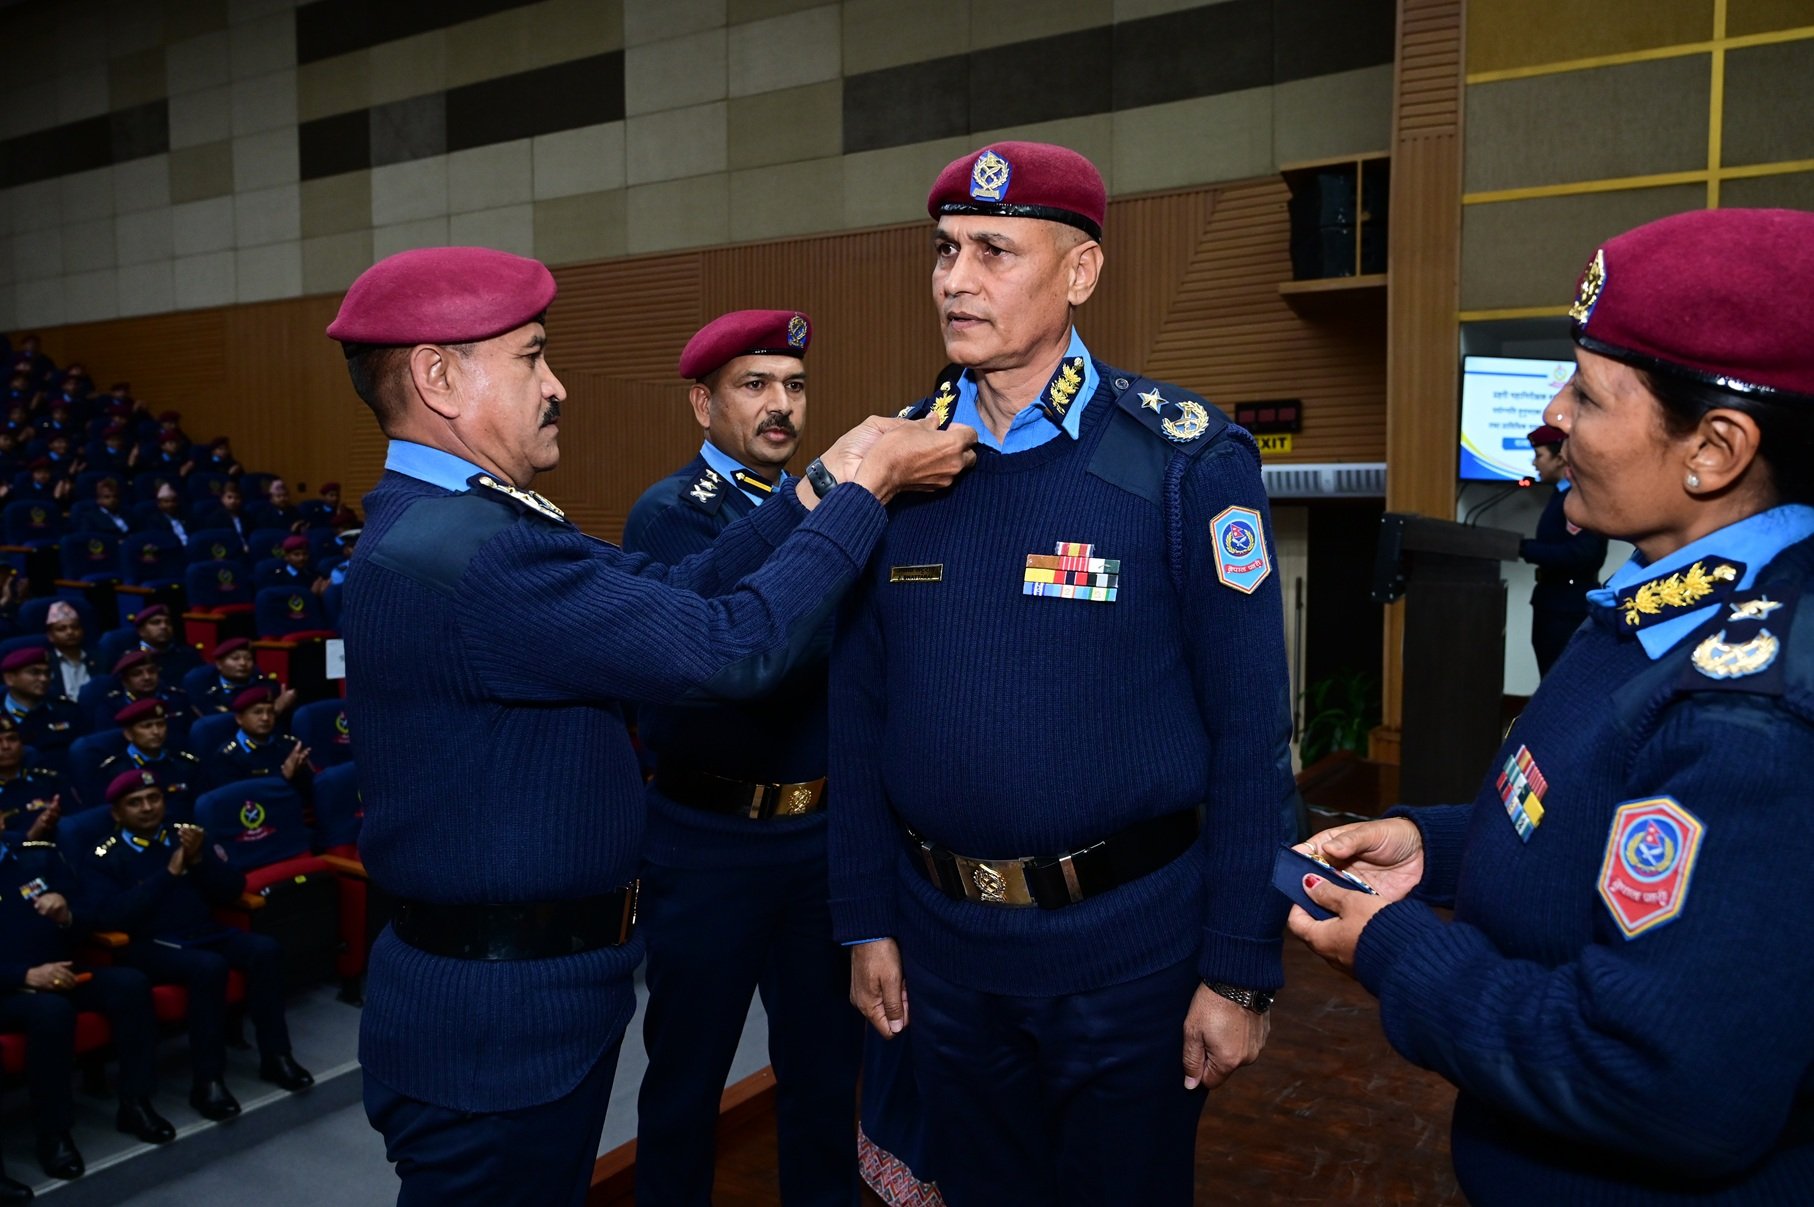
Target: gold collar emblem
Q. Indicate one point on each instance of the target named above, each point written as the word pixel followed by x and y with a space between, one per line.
pixel 1718 660
pixel 1065 385
pixel 943 401
pixel 1592 282
pixel 1683 589
pixel 527 498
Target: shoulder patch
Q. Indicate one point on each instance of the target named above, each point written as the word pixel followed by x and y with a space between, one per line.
pixel 1741 648
pixel 1183 420
pixel 1649 861
pixel 1242 561
pixel 706 491
pixel 435 537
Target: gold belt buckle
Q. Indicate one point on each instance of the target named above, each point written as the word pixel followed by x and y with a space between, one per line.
pixel 994 881
pixel 797 800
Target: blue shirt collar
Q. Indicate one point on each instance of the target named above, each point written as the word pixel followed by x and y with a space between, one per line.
pixel 1754 540
pixel 1032 425
pixel 247 740
pixel 141 758
pixel 430 465
pixel 729 467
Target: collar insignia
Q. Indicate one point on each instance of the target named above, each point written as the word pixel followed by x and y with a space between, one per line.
pixel 751 482
pixel 989 177
pixel 527 498
pixel 1061 391
pixel 1717 659
pixel 1665 598
pixel 943 401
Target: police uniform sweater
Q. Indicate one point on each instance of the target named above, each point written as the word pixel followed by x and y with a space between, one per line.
pixel 1673 1066
pixel 1000 724
pixel 132 888
pixel 28 938
pixel 489 649
pixel 779 739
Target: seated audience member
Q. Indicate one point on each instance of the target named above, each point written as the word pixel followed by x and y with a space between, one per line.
pixel 157 636
pixel 328 511
pixel 11 464
pixel 105 516
pixel 218 458
pixel 276 511
pixel 58 422
pixel 47 725
pixel 258 750
pixel 160 884
pixel 72 666
pixel 335 566
pixel 145 724
pixel 42 987
pixel 136 677
pixel 294 571
pixel 65 463
pixel 167 454
pixel 169 517
pixel 114 453
pixel 27 794
pixel 18 394
pixel 235 669
pixel 230 514
pixel 42 486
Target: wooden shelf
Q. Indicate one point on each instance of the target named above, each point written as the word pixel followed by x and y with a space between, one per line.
pixel 1371 280
pixel 1337 297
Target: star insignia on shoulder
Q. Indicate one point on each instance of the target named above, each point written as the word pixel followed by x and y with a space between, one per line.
pixel 1753 609
pixel 1152 400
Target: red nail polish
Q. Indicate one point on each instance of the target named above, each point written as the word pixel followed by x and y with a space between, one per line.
pixel 1311 882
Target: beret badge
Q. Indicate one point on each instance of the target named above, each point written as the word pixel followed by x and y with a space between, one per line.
pixel 989 177
pixel 796 331
pixel 1592 282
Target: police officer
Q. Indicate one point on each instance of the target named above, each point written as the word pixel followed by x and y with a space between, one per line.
pixel 160 883
pixel 146 727
pixel 734 868
pixel 47 725
pixel 1621 995
pixel 293 570
pixel 71 664
pixel 490 648
pixel 1566 555
pixel 157 635
pixel 136 677
pixel 42 988
pixel 26 793
pixel 1063 681
pixel 234 670
pixel 258 750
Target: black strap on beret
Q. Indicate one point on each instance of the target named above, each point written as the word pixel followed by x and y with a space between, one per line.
pixel 1655 364
pixel 1050 213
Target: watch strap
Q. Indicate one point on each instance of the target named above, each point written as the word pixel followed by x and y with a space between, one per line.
pixel 820 478
pixel 1259 1001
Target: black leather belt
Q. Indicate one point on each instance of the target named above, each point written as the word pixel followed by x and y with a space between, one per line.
pixel 741 798
pixel 530 930
pixel 1055 881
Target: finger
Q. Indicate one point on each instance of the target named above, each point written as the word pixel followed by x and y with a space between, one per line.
pixel 1331 898
pixel 1300 923
pixel 894 1007
pixel 1194 1058
pixel 872 1010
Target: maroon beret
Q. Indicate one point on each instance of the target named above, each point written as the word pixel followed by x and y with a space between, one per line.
pixel 170 438
pixel 328 486
pixel 252 695
pixel 130 659
pixel 128 782
pixel 150 613
pixel 169 417
pixel 18 660
pixel 442 295
pixel 1724 297
pixel 1023 180
pixel 140 710
pixel 295 542
pixel 1545 435
pixel 40 463
pixel 230 645
pixel 116 428
pixel 745 333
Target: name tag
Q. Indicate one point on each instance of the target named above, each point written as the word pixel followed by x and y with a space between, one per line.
pixel 917 574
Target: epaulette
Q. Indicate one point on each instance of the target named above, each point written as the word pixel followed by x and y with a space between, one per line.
pixel 1185 421
pixel 113 840
pixel 46 772
pixel 940 402
pixel 1744 647
pixel 1152 424
pixel 184 754
pixel 525 500
pixel 38 842
pixel 706 492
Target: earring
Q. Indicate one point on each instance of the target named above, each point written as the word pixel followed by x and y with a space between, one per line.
pixel 1694 481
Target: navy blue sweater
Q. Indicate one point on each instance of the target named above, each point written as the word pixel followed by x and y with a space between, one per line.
pixel 778 740
pixel 489 650
pixel 1000 724
pixel 27 938
pixel 1676 1065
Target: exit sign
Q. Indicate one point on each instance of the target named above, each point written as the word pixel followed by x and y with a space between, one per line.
pixel 1274 442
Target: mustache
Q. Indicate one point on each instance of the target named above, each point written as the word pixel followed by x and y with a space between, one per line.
pixel 552 413
pixel 777 423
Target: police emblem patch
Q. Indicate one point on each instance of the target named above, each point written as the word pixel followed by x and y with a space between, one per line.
pixel 251 815
pixel 989 177
pixel 1241 558
pixel 1650 855
pixel 1521 788
pixel 796 331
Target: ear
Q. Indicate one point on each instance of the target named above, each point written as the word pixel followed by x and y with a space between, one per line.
pixel 1725 446
pixel 1086 270
pixel 430 374
pixel 700 396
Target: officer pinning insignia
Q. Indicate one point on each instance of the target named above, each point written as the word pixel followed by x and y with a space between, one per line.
pixel 1650 854
pixel 1072 571
pixel 1241 558
pixel 528 498
pixel 1666 597
pixel 990 176
pixel 1521 787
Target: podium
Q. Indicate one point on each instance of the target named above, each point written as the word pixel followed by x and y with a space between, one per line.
pixel 1454 649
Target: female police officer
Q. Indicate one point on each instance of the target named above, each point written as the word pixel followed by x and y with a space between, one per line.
pixel 1621 998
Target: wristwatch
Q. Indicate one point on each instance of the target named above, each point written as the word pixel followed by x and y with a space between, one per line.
pixel 819 478
pixel 1257 1000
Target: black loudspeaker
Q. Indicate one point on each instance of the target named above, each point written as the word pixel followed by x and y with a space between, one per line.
pixel 1322 251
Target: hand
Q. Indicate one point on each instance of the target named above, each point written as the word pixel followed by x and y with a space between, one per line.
pixel 294 762
pixel 1334 938
pixel 1387 854
pixel 1220 1037
pixel 46 821
pixel 319 585
pixel 843 457
pixel 877 987
pixel 53 977
pixel 54 906
pixel 916 456
pixel 285 698
pixel 179 862
pixel 192 838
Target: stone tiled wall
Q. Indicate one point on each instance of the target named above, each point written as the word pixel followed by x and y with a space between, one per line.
pixel 160 155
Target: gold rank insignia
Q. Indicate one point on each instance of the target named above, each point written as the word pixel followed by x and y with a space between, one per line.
pixel 1192 421
pixel 943 401
pixel 1661 598
pixel 989 177
pixel 527 498
pixel 1717 659
pixel 1752 609
pixel 1064 386
pixel 1592 282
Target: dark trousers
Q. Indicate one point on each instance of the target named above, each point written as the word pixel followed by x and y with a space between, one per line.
pixel 202 970
pixel 1550 631
pixel 49 1022
pixel 714 937
pixel 541 1156
pixel 1057 1100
